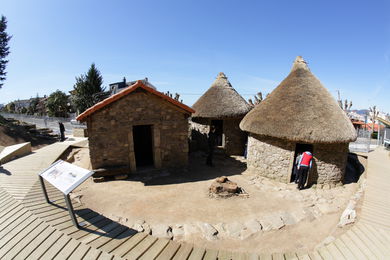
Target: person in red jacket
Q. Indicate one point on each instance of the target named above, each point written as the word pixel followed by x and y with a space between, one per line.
pixel 304 164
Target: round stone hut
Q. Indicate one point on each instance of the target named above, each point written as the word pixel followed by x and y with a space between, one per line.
pixel 299 115
pixel 224 108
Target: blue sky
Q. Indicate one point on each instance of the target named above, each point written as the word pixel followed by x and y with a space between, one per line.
pixel 182 45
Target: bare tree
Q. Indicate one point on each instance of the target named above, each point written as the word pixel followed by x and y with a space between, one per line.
pixel 258 98
pixel 373 115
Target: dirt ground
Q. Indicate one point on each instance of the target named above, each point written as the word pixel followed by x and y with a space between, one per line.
pixel 11 134
pixel 182 201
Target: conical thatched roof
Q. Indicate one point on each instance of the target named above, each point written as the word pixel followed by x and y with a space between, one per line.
pixel 221 100
pixel 300 109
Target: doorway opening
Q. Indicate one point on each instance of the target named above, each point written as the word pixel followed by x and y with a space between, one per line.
pixel 218 131
pixel 143 145
pixel 299 149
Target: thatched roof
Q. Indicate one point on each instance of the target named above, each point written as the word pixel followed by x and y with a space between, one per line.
pixel 221 100
pixel 300 109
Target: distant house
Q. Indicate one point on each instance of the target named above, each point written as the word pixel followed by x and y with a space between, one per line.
pixel 119 86
pixel 384 134
pixel 224 108
pixel 299 115
pixel 138 127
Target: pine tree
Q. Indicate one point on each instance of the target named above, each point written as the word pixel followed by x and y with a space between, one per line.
pixel 86 87
pixel 4 48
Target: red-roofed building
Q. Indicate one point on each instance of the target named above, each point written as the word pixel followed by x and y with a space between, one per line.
pixel 137 127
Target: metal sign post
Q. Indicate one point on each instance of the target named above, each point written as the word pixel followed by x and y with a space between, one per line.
pixel 65 177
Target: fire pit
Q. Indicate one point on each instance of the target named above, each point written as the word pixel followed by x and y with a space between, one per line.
pixel 224 188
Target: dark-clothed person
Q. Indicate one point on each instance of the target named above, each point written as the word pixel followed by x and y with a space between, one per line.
pixel 304 164
pixel 212 139
pixel 62 131
pixel 296 167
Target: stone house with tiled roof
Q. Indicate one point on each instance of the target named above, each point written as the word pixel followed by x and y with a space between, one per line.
pixel 136 128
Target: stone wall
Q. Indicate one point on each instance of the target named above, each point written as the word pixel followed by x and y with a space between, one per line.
pixel 111 138
pixel 234 137
pixel 329 164
pixel 270 157
pixel 199 132
pixel 273 158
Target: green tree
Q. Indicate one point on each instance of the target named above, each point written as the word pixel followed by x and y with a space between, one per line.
pixel 57 104
pixel 10 107
pixel 86 87
pixel 33 107
pixel 4 48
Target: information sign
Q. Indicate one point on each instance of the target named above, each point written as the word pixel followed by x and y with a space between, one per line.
pixel 65 176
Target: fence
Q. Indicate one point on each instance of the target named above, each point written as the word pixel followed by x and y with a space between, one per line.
pixel 46 122
pixel 363 143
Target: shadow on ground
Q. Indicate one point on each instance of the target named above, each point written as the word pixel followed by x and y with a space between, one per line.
pixel 354 168
pixel 197 170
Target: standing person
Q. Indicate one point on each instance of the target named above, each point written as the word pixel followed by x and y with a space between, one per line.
pixel 296 167
pixel 211 143
pixel 304 164
pixel 62 131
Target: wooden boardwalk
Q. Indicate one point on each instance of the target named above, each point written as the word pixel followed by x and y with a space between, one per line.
pixel 32 229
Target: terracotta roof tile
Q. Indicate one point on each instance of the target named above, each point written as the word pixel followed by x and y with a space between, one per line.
pixel 127 91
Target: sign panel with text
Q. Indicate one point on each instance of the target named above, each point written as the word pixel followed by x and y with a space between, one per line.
pixel 65 176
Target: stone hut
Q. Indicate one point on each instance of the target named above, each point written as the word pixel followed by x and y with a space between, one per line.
pixel 224 108
pixel 299 115
pixel 135 128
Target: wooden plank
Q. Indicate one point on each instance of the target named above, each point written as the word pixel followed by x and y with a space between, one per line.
pixel 112 244
pixel 42 248
pixel 277 256
pixel 140 249
pixel 183 252
pixel 30 246
pixel 240 256
pixel 67 250
pixel 375 237
pixel 361 245
pixel 315 256
pixel 334 251
pixel 80 251
pixel 11 226
pixel 224 255
pixel 14 236
pixel 129 244
pixel 211 254
pixel 290 255
pixel 110 236
pixel 366 240
pixel 92 254
pixel 56 247
pixel 18 244
pixel 324 253
pixel 155 249
pixel 303 256
pixel 98 233
pixel 353 247
pixel 344 249
pixel 264 256
pixel 80 233
pixel 105 256
pixel 197 253
pixel 169 251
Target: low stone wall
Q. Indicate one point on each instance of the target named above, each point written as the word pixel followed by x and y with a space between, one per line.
pixel 270 157
pixel 111 132
pixel 329 164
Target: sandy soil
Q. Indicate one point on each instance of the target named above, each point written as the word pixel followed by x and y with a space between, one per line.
pixel 183 199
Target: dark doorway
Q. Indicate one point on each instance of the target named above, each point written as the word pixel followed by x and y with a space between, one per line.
pixel 143 145
pixel 218 131
pixel 299 149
